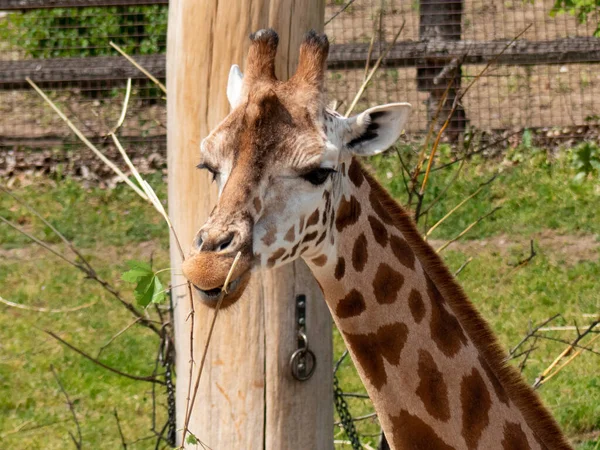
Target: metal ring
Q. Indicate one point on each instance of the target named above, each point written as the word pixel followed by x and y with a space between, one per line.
pixel 294 364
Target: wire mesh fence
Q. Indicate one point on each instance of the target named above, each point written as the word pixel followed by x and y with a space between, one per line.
pixel 546 80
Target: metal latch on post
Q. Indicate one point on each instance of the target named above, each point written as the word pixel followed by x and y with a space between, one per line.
pixel 302 360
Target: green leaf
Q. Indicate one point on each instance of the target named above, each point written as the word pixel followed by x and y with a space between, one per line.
pixel 191 439
pixel 149 288
pixel 138 269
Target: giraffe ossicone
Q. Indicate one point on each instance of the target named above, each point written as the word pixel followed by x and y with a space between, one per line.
pixel 290 187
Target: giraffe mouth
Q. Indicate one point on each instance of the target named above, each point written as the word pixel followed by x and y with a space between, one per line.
pixel 235 289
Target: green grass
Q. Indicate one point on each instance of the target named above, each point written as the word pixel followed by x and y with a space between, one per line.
pixel 113 226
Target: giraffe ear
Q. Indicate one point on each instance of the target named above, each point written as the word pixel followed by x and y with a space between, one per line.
pixel 234 86
pixel 376 129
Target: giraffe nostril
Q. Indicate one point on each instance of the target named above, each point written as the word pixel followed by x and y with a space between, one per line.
pixel 225 242
pixel 198 243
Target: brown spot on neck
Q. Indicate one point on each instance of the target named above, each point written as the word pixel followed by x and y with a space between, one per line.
pixel 320 260
pixel 416 305
pixel 275 256
pixel 340 268
pixel 411 433
pixel 360 254
pixel 476 404
pixel 432 389
pixel 310 236
pixel 403 252
pixel 269 237
pixel 290 235
pixel 387 284
pixel 370 350
pixel 446 331
pixel 379 231
pixel 347 213
pixel 514 437
pixel 355 173
pixel 352 305
pixel 313 219
pixel 257 205
pixel 379 209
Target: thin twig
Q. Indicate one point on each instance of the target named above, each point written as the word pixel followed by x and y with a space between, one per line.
pixel 111 340
pixel 369 54
pixel 436 143
pixel 360 418
pixel 373 71
pixel 207 343
pixel 149 192
pixel 123 442
pixel 32 210
pixel 340 361
pixel 46 310
pixel 91 274
pixel 466 230
pixel 465 264
pixel 101 364
pixel 124 109
pixel 432 123
pixel 91 146
pixel 77 441
pixel 444 190
pixel 339 12
pixel 457 101
pixel 139 67
pixel 453 210
pixel 544 379
pixel 530 333
pixel 40 243
pixel 550 371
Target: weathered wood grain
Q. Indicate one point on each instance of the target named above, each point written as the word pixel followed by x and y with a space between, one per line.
pixel 247 398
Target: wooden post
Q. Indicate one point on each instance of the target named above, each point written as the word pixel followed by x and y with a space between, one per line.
pixel 439 21
pixel 247 397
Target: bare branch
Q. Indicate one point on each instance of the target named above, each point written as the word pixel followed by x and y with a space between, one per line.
pixel 466 230
pixel 101 364
pixel 77 441
pixel 46 310
pixel 206 344
pixel 362 88
pixel 139 67
pixel 111 340
pixel 123 442
pixel 462 267
pixel 339 12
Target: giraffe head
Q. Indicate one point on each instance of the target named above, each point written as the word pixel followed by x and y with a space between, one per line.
pixel 279 162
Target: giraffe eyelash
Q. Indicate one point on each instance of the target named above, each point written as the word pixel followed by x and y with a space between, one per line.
pixel 214 172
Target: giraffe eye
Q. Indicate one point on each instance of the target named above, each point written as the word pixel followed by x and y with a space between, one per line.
pixel 318 176
pixel 214 172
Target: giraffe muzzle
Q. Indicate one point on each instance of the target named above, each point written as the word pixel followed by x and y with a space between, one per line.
pixel 207 271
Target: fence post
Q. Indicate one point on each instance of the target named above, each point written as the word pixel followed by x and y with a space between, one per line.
pixel 441 20
pixel 247 397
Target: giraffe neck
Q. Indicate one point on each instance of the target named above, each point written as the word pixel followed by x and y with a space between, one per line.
pixel 427 359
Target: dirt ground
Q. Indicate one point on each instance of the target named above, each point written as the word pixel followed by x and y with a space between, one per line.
pixel 569 249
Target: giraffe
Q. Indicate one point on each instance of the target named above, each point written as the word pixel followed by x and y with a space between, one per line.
pixel 291 186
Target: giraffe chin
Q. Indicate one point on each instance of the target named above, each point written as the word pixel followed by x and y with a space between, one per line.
pixel 235 290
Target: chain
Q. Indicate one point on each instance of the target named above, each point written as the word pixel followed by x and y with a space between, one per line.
pixel 172 427
pixel 345 417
